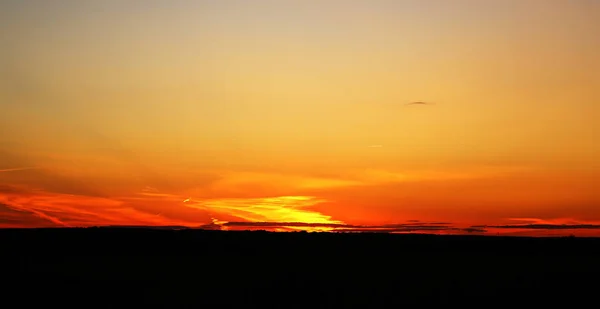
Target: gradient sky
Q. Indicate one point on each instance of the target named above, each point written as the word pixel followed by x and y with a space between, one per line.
pixel 192 112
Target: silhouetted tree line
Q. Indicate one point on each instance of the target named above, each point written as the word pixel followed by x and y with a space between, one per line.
pixel 196 268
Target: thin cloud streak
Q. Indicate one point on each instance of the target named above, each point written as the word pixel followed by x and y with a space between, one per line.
pixel 419 103
pixel 68 210
pixel 412 227
pixel 545 226
pixel 17 169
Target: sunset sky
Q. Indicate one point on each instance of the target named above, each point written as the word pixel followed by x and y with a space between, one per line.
pixel 204 112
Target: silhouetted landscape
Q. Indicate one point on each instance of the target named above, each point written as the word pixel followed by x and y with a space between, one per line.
pixel 146 267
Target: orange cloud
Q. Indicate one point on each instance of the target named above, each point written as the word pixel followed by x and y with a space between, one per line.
pixel 244 183
pixel 264 183
pixel 268 209
pixel 17 169
pixel 77 210
pixel 545 227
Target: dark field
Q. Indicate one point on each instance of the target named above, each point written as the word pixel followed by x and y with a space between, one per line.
pixel 141 268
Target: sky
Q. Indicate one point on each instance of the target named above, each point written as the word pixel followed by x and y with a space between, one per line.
pixel 233 113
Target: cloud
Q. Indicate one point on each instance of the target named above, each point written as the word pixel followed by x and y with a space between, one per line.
pixel 47 179
pixel 29 206
pixel 266 209
pixel 243 182
pixel 546 226
pixel 16 169
pixel 381 176
pixel 285 224
pixel 341 227
pixel 419 103
pixel 14 218
pixel 413 228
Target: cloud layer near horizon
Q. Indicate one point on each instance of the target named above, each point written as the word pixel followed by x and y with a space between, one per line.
pixel 66 210
pixel 48 198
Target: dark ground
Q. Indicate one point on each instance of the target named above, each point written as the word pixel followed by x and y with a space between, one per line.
pixel 141 268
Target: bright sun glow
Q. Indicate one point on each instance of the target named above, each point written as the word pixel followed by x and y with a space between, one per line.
pixel 270 209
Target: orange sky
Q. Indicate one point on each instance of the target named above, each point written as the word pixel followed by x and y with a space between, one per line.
pixel 189 113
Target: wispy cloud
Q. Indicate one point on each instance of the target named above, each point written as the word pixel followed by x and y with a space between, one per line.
pixel 380 176
pixel 244 183
pixel 75 210
pixel 233 182
pixel 547 226
pixel 412 227
pixel 419 103
pixel 17 169
pixel 544 227
pixel 268 209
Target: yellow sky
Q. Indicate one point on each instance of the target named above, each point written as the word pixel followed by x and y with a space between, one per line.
pixel 265 99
